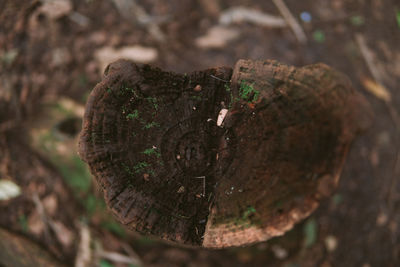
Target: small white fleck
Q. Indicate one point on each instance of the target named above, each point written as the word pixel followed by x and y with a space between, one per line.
pixel 209 119
pixel 221 116
pixel 279 252
pixel 232 187
pixel 197 88
pixel 181 190
pixel 178 156
pixel 154 147
pixel 240 190
pixel 194 108
pixel 8 189
pixel 331 243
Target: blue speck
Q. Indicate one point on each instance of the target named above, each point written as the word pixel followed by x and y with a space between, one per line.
pixel 305 16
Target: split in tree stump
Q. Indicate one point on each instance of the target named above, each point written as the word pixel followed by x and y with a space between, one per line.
pixel 219 157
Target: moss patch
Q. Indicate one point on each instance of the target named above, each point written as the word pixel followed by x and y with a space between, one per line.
pixel 247 92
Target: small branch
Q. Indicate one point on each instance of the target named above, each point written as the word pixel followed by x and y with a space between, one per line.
pixel 368 57
pixel 239 14
pixel 131 10
pixel 132 254
pixel 84 255
pixel 291 20
pixel 117 257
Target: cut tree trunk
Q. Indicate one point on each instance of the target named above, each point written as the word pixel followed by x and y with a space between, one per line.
pixel 219 158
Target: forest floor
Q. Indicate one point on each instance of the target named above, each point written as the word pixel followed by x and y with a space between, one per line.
pixel 52 53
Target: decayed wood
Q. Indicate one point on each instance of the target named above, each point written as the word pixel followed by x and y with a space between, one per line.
pixel 215 158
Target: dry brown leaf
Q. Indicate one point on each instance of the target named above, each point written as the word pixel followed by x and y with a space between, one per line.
pixel 217 37
pixel 50 204
pixel 136 53
pixel 376 89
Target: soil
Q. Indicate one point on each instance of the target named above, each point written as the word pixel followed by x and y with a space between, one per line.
pixel 49 64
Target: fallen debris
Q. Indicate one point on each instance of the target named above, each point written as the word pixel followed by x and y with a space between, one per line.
pixel 376 89
pixel 221 116
pixel 242 14
pixel 217 37
pixel 135 53
pixel 8 189
pixel 291 20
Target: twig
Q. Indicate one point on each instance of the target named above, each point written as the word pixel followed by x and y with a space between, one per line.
pixel 130 7
pixel 215 77
pixel 291 20
pixel 133 255
pixel 117 257
pixel 239 14
pixel 83 257
pixel 368 57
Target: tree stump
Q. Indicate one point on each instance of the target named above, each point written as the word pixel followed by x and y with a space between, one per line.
pixel 219 157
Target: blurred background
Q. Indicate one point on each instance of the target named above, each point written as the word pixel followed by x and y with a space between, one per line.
pixel 52 53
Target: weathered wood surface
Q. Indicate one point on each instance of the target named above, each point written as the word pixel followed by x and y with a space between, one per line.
pixel 152 141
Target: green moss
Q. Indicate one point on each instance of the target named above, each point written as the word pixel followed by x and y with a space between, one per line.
pixel 398 17
pixel 357 20
pixel 196 97
pixel 126 169
pixel 133 115
pixel 151 125
pixel 23 222
pixel 76 174
pixel 151 151
pixel 247 92
pixel 249 211
pixel 310 232
pixel 153 102
pixel 104 263
pixel 130 90
pixel 113 227
pixel 90 203
pixel 319 36
pixel 140 167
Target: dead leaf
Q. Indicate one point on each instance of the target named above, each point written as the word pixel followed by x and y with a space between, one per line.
pixel 136 53
pixel 217 37
pixel 8 189
pixel 376 89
